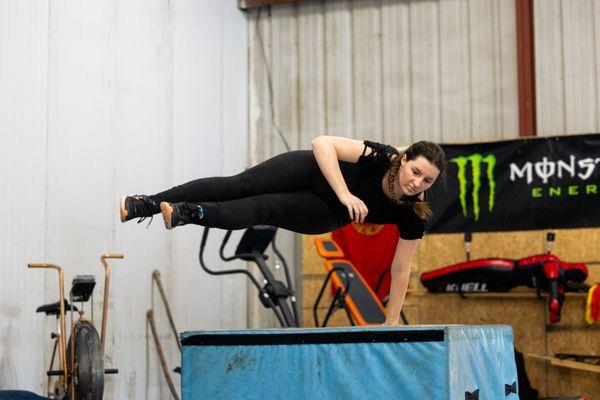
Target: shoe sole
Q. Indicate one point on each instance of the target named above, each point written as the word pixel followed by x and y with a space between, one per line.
pixel 167 211
pixel 123 211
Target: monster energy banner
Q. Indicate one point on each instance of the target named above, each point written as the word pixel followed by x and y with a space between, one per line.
pixel 522 184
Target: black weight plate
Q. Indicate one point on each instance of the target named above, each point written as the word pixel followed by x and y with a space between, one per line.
pixel 88 373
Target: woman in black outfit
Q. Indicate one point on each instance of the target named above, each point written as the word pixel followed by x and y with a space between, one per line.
pixel 341 180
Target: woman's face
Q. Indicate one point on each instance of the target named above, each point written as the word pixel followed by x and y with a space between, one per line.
pixel 416 176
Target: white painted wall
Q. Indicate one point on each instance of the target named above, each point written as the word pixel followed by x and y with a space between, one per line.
pixel 101 99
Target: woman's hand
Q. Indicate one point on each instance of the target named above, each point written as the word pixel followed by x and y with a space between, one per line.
pixel 390 323
pixel 356 207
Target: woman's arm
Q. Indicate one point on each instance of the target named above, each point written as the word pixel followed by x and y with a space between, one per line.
pixel 405 250
pixel 328 151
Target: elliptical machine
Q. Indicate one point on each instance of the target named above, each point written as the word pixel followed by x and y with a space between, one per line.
pixel 273 294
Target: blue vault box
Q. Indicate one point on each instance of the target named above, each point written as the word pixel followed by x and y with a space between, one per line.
pixel 454 362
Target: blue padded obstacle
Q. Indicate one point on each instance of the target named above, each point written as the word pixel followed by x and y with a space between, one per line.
pixel 20 395
pixel 414 362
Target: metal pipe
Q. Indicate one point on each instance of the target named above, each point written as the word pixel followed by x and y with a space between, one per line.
pixel 71 362
pixel 223 272
pixel 339 296
pixel 289 281
pixel 105 301
pixel 62 341
pixel 48 389
pixel 156 278
pixel 161 355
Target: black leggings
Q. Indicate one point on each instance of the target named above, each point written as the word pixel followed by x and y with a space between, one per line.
pixel 288 191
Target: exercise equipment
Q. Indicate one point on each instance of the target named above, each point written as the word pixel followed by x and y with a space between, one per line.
pixel 542 272
pixel 81 362
pixel 351 291
pixel 548 273
pixel 273 293
pixel 370 248
pixel 477 276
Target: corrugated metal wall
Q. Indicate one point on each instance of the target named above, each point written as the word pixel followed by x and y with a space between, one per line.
pixel 98 100
pixel 567 52
pixel 23 116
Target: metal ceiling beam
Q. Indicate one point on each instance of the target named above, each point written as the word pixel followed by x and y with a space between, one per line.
pixel 246 4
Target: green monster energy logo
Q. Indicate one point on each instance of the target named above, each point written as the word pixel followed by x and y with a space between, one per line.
pixel 476 161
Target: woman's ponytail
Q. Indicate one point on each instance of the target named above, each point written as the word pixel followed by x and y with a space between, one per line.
pixel 422 209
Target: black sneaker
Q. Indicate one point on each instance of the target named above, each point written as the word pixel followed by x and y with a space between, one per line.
pixel 177 214
pixel 138 206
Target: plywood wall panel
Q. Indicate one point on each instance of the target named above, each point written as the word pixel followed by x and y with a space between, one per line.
pixel 311 260
pixel 573 336
pixel 312 287
pixel 567 382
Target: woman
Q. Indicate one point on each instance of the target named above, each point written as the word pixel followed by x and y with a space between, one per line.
pixel 340 181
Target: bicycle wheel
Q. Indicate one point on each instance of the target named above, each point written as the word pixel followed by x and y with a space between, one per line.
pixel 87 375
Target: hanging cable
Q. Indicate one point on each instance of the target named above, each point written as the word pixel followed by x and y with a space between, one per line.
pixel 269 81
